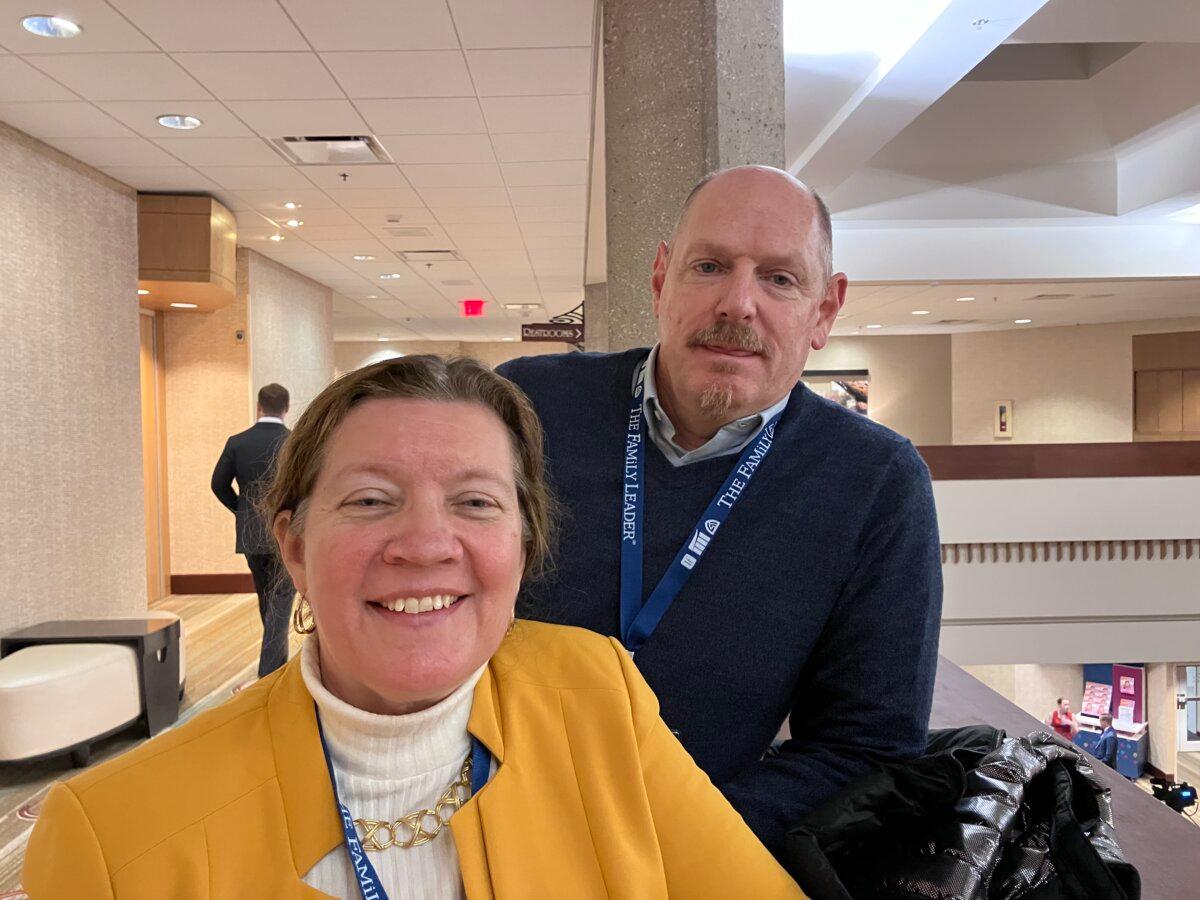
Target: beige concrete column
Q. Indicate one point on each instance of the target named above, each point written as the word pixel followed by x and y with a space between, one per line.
pixel 690 86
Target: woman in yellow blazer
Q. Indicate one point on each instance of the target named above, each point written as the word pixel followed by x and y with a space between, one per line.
pixel 423 743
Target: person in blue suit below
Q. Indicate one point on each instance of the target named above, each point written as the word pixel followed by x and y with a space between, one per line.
pixel 1106 747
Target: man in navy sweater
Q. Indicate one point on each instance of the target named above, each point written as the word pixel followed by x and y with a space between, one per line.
pixel 767 555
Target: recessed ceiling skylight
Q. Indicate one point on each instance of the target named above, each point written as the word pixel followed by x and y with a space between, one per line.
pixel 51 26
pixel 179 122
pixel 882 28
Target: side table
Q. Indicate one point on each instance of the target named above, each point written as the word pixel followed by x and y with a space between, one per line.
pixel 154 641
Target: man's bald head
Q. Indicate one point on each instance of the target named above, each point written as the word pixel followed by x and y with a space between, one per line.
pixel 788 182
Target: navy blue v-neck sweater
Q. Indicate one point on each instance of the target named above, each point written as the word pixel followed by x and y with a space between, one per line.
pixel 818 602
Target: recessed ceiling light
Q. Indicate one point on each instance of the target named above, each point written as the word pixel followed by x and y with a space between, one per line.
pixel 389 277
pixel 184 305
pixel 1022 321
pixel 372 297
pixel 276 238
pixel 363 257
pixel 874 326
pixel 293 223
pixel 963 299
pixel 179 122
pixel 920 312
pixel 384 339
pixel 291 204
pixel 510 339
pixel 51 26
pixel 142 292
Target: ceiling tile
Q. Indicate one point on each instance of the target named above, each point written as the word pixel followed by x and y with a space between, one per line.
pixel 461 175
pixel 380 216
pixel 438 116
pixel 462 215
pixel 483 229
pixel 272 200
pixel 214 24
pixel 411 73
pixel 223 151
pixel 524 23
pixel 262 76
pixel 508 73
pixel 565 195
pixel 375 199
pixel 537 114
pixel 122 76
pixel 160 178
pixel 104 30
pixel 470 246
pixel 20 81
pixel 538 146
pixel 142 117
pixel 280 118
pixel 459 196
pixel 255 178
pixel 528 174
pixel 130 151
pixel 438 148
pixel 345 249
pixel 554 241
pixel 374 175
pixel 374 24
pixel 550 214
pixel 537 229
pixel 55 120
pixel 312 215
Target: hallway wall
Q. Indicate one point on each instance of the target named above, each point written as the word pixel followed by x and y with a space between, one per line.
pixel 72 540
pixel 291 330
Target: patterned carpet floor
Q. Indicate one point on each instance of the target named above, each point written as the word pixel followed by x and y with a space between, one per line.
pixel 221 640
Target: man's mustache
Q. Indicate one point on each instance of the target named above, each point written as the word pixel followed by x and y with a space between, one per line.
pixel 729 334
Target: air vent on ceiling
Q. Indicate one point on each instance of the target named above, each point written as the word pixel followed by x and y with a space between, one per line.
pixel 1098 296
pixel 408 231
pixel 429 256
pixel 1050 297
pixel 457 282
pixel 957 322
pixel 339 150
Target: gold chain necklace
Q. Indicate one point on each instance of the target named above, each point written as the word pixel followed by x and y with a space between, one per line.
pixel 422 826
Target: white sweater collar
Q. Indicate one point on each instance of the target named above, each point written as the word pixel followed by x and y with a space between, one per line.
pixel 388 748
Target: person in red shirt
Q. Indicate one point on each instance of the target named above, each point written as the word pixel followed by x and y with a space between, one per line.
pixel 1062 721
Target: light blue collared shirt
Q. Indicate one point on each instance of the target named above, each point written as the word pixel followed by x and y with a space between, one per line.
pixel 730 439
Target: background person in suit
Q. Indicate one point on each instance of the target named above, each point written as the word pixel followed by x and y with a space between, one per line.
pixel 249 458
pixel 1106 748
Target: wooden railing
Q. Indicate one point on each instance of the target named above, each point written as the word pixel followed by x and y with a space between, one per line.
pixel 995 461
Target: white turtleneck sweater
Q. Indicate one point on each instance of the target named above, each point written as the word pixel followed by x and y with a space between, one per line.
pixel 387 767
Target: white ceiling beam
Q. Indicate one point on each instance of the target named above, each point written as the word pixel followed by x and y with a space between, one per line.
pixel 902 87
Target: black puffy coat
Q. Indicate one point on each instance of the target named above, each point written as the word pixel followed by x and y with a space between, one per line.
pixel 980 817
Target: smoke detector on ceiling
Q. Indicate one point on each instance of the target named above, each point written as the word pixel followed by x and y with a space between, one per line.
pixel 331 150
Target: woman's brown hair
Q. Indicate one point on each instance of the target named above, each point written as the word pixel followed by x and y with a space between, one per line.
pixel 418 378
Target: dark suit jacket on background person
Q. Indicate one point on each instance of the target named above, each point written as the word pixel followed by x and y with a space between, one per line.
pixel 819 602
pixel 248 459
pixel 1106 747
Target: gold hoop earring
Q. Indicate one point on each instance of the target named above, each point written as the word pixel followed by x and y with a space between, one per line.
pixel 302 617
pixel 512 626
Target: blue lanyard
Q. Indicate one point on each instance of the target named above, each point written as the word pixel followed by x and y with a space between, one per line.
pixel 638 621
pixel 369 885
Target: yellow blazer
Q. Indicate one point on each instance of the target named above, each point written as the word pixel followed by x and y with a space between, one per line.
pixel 593 797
